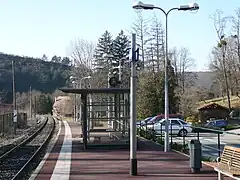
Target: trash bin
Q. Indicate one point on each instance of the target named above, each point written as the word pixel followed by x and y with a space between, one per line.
pixel 195 152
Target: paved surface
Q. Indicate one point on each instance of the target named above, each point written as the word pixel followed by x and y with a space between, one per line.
pixel 68 160
pixel 210 141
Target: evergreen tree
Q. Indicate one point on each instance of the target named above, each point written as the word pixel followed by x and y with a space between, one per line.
pixel 103 52
pixel 103 59
pixel 44 58
pixel 66 61
pixel 148 95
pixel 151 93
pixel 172 97
pixel 121 48
pixel 155 48
pixel 56 59
pixel 44 104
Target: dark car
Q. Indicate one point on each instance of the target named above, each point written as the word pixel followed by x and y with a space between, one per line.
pixel 143 122
pixel 220 124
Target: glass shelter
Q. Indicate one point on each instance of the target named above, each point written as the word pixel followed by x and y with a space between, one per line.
pixel 104 116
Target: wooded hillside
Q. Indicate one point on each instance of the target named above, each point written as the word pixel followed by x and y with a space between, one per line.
pixel 45 76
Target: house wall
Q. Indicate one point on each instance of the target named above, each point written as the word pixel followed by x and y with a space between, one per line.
pixel 213 113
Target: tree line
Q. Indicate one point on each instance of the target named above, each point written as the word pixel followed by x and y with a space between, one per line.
pixel 97 60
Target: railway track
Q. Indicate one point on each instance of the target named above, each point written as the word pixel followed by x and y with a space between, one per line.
pixel 17 162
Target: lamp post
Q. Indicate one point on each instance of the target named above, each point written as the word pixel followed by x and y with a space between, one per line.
pixel 190 7
pixel 14 99
pixel 90 103
pixel 87 77
pixel 73 78
pixel 75 102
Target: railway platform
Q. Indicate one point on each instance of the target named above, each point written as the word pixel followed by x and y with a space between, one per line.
pixel 68 160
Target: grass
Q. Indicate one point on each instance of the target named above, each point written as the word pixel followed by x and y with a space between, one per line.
pixel 235 101
pixel 232 127
pixel 208 159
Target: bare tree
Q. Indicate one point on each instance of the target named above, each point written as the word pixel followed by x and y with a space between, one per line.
pixel 82 52
pixel 141 29
pixel 220 22
pixel 236 37
pixel 183 63
pixel 155 46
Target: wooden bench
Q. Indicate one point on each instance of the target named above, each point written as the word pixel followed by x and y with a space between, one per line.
pixel 228 164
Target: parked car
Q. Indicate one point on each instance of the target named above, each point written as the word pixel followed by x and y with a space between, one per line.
pixel 159 117
pixel 176 126
pixel 143 122
pixel 152 121
pixel 220 124
pixel 179 116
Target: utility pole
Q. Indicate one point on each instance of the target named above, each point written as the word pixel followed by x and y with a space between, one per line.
pixel 109 108
pixel 35 109
pixel 14 99
pixel 121 127
pixel 75 103
pixel 133 137
pixel 30 94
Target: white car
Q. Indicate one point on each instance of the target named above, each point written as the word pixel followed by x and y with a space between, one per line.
pixel 176 126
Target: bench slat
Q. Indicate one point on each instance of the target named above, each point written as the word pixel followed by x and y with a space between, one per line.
pixel 232 148
pixel 232 171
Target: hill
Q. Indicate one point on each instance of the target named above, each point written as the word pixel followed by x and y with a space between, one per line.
pixel 203 79
pixel 40 75
pixel 235 101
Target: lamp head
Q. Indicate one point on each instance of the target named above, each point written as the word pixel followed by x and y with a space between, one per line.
pixel 194 6
pixel 189 7
pixel 141 5
pixel 71 77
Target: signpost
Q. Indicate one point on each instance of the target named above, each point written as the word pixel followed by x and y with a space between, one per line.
pixel 15 116
pixel 133 137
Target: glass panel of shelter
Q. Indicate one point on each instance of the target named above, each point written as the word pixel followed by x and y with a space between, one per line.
pixel 108 111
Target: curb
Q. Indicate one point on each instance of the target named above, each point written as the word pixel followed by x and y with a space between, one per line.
pixel 173 150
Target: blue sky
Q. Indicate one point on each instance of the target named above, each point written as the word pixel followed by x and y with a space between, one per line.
pixel 37 27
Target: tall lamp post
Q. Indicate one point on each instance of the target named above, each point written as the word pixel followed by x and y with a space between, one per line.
pixel 90 104
pixel 75 102
pixel 190 7
pixel 90 98
pixel 74 82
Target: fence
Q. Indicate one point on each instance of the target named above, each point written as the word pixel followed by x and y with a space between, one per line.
pixel 6 122
pixel 213 141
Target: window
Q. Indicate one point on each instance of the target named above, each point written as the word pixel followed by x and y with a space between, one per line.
pixel 211 123
pixel 183 122
pixel 175 122
pixel 162 122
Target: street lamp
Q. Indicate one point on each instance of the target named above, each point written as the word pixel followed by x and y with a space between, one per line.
pixel 72 77
pixel 87 77
pixel 75 98
pixel 190 7
pixel 90 102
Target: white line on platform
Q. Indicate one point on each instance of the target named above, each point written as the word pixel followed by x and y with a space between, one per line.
pixel 63 165
pixel 35 173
